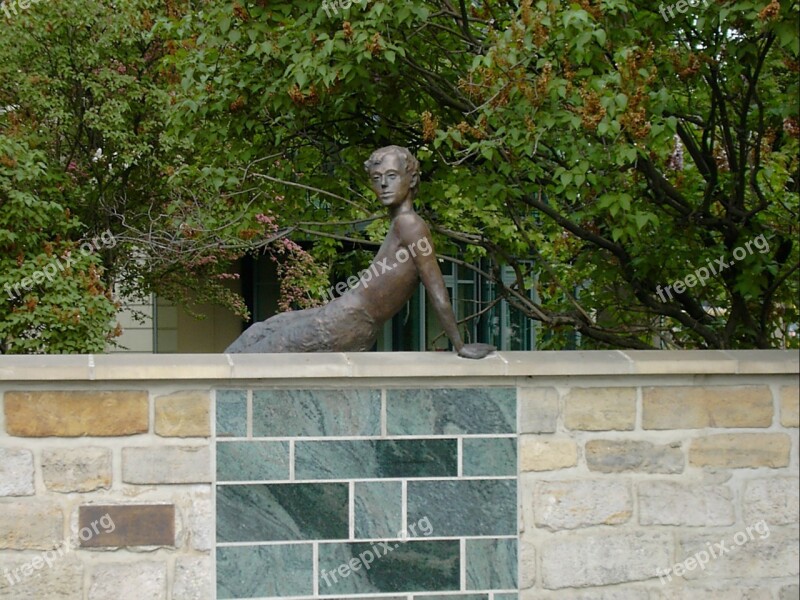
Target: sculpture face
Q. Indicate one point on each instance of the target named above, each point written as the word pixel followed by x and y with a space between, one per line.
pixel 390 181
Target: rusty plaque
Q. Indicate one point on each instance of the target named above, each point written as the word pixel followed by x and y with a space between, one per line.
pixel 126 525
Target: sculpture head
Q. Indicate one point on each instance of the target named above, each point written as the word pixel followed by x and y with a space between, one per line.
pixel 393 174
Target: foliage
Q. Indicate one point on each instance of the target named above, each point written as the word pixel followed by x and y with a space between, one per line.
pixel 594 146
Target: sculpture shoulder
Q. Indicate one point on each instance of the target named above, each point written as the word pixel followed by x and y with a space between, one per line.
pixel 410 226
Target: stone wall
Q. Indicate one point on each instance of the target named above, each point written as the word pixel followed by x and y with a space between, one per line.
pixel 640 475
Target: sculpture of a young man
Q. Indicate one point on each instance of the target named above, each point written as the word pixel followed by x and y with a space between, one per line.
pixel 351 322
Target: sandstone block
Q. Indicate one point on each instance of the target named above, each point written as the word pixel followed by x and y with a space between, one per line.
pixel 75 414
pixel 143 580
pixel 193 578
pixel 701 407
pixel 183 414
pixel 76 469
pixel 31 525
pixel 600 409
pixel 741 450
pixel 790 406
pixel 547 455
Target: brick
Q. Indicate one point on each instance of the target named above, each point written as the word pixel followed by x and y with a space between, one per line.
pixel 539 410
pixel 701 407
pixel 125 525
pixel 183 414
pixel 774 500
pixel 193 580
pixel 603 559
pixel 16 472
pixel 790 406
pixel 619 456
pixel 31 524
pixel 770 553
pixel 547 455
pixel 741 450
pixel 26 579
pixel 673 503
pixel 75 414
pixel 573 504
pixel 76 469
pixel 600 409
pixel 166 464
pixel 143 580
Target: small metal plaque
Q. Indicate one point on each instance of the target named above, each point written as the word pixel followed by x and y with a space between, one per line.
pixel 123 525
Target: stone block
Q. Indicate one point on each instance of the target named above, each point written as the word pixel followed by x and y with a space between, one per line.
pixel 773 500
pixel 600 409
pixel 193 578
pixel 620 456
pixel 603 559
pixel 741 450
pixel 76 469
pixel 538 410
pixel 696 407
pixel 166 464
pixel 33 578
pixel 16 472
pixel 76 414
pixel 183 414
pixel 31 525
pixel 790 406
pixel 537 454
pixel 761 553
pixel 574 504
pixel 143 580
pixel 673 503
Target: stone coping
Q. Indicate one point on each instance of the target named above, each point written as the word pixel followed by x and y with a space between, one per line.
pixel 201 367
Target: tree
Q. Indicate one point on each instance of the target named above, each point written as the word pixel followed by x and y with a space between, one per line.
pixel 86 151
pixel 604 150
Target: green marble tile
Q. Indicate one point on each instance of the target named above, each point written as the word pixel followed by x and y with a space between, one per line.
pixel 364 568
pixel 490 456
pixel 492 564
pixel 252 461
pixel 297 413
pixel 231 413
pixel 260 571
pixel 451 411
pixel 465 508
pixel 378 509
pixel 508 596
pixel 363 459
pixel 275 512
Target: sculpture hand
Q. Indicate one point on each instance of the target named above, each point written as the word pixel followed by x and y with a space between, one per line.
pixel 475 350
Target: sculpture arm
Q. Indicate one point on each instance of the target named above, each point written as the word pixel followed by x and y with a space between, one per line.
pixel 412 234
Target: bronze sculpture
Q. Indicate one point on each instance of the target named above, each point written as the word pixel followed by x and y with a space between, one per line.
pixel 351 322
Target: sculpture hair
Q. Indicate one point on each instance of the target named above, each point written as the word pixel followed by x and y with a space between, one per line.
pixel 409 160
